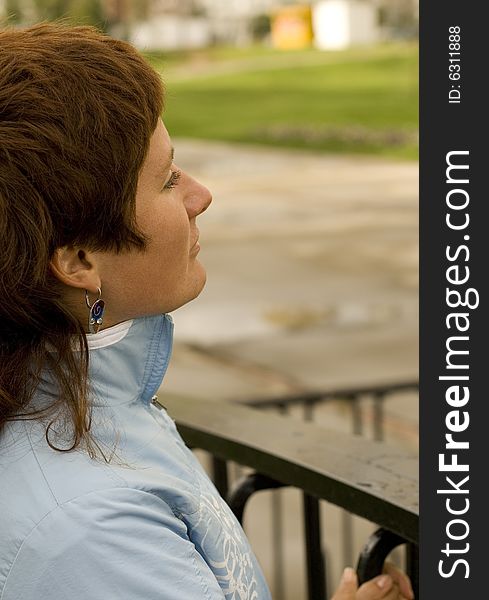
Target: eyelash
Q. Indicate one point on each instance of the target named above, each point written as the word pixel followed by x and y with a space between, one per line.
pixel 172 182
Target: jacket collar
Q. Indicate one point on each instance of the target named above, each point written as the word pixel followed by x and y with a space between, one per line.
pixel 128 361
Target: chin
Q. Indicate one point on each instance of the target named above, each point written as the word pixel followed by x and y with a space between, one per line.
pixel 193 290
pixel 199 284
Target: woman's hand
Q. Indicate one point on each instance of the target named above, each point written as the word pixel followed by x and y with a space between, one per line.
pixel 392 585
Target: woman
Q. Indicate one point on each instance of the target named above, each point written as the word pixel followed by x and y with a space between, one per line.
pixel 100 497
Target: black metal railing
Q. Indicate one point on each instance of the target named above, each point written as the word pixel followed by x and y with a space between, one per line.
pixel 309 401
pixel 356 399
pixel 373 480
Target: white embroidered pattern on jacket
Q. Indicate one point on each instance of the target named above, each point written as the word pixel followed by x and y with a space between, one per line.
pixel 233 569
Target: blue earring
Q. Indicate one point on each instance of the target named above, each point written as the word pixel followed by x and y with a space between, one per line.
pixel 96 314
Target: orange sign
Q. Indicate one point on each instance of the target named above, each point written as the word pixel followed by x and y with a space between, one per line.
pixel 292 27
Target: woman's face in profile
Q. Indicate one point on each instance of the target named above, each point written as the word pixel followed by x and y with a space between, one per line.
pixel 168 274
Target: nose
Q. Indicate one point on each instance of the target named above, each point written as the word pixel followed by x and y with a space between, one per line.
pixel 198 199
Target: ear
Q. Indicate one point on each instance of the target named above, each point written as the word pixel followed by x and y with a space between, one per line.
pixel 75 268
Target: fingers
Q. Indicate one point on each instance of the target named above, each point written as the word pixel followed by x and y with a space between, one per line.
pixel 378 588
pixel 401 579
pixel 348 586
pixel 382 587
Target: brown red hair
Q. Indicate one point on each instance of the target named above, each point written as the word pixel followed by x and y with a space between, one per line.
pixel 77 111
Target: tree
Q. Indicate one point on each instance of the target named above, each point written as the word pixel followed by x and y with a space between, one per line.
pixel 88 12
pixel 13 11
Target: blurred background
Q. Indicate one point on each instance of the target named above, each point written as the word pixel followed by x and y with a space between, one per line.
pixel 303 121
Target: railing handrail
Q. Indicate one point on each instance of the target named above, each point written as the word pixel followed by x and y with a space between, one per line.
pixel 371 479
pixel 341 393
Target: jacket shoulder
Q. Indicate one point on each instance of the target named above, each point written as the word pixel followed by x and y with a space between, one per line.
pixel 117 542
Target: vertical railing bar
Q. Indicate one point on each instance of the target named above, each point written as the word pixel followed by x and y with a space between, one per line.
pixel 277 545
pixel 346 517
pixel 412 567
pixel 378 417
pixel 236 471
pixel 315 570
pixel 277 534
pixel 347 535
pixel 356 409
pixel 308 414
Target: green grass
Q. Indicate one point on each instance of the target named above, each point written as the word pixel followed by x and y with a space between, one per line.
pixel 354 101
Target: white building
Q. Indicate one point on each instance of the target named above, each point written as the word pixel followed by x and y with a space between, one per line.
pixel 339 24
pixel 171 32
pixel 174 24
pixel 231 18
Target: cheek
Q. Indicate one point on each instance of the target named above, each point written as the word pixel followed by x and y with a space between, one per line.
pixel 170 240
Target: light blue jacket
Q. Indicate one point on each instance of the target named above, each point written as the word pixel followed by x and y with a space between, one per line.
pixel 153 528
